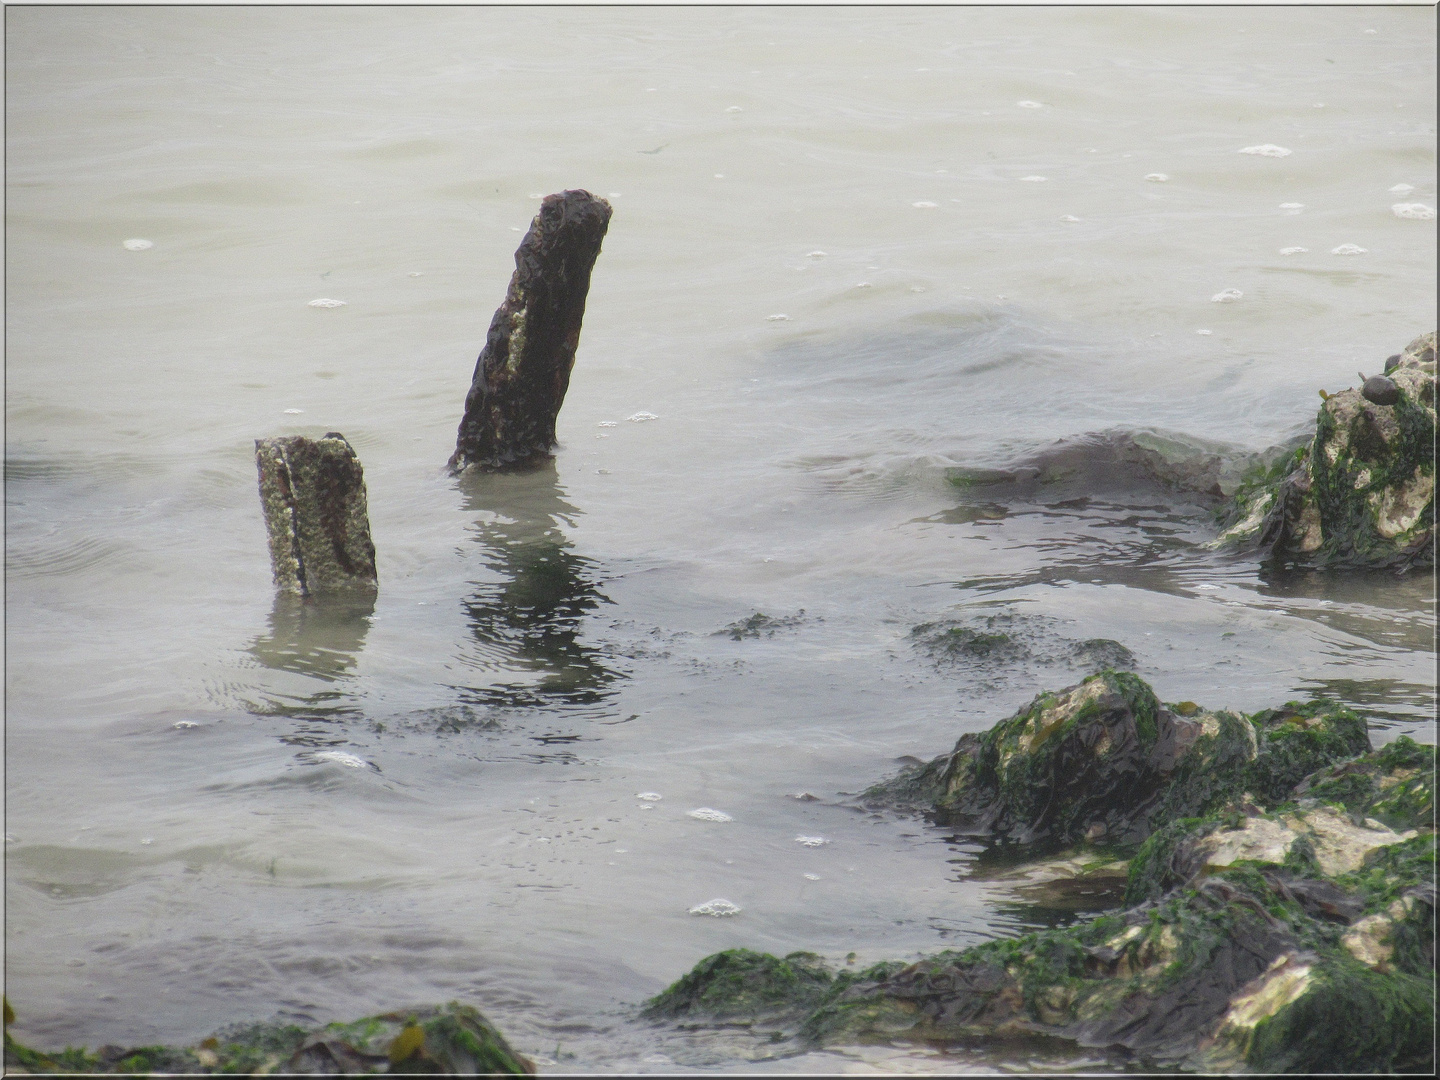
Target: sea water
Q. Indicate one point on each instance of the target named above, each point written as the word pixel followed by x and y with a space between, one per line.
pixel 856 254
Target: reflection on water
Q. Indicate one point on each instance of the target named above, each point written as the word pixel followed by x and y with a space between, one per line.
pixel 319 637
pixel 531 618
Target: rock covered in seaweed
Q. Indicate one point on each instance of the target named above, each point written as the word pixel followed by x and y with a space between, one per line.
pixel 1362 493
pixel 1103 761
pixel 1255 941
pixel 453 1040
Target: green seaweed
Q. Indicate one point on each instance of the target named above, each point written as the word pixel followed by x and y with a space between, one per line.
pixel 739 983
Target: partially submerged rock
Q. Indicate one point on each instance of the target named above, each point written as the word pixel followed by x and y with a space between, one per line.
pixel 313 494
pixel 524 369
pixel 452 1039
pixel 1362 493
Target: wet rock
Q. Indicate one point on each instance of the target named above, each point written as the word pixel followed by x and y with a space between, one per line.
pixel 524 369
pixel 1104 761
pixel 1251 943
pixel 450 1040
pixel 313 495
pixel 1362 493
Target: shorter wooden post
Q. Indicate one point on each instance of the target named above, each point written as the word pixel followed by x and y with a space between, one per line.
pixel 313 494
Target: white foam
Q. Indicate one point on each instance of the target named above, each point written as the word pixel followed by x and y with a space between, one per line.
pixel 816 255
pixel 609 423
pixel 181 725
pixel 924 204
pixel 719 908
pixel 1204 332
pixel 1033 179
pixel 777 318
pixel 612 194
pixel 323 302
pixel 1157 177
pixel 148 840
pixel 1293 251
pixel 1348 249
pixel 416 273
pixel 1226 296
pixel 1069 217
pixel 1402 189
pixel 136 244
pixel 734 108
pixel 649 796
pixel 1292 206
pixel 293 412
pixel 811 841
pixel 641 417
pixel 863 285
pixel 805 796
pixel 811 877
pixel 340 757
pixel 647 806
pixel 1414 211
pixel 719 176
pixel 707 813
pixel 1267 150
pixel 1029 104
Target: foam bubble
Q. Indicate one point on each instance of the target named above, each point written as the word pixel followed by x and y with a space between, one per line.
pixel 181 725
pixel 324 303
pixel 1033 179
pixel 340 757
pixel 805 796
pixel 863 285
pixel 1226 296
pixel 777 318
pixel 706 813
pixel 1414 211
pixel 1157 177
pixel 1402 189
pixel 641 417
pixel 136 244
pixel 148 840
pixel 417 273
pixel 609 423
pixel 1267 150
pixel 1293 251
pixel 734 108
pixel 649 796
pixel 811 877
pixel 1292 206
pixel 719 908
pixel 1348 249
pixel 816 255
pixel 1069 217
pixel 811 841
pixel 1206 333
pixel 924 204
pixel 647 806
pixel 1029 104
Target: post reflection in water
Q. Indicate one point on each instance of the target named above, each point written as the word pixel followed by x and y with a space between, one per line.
pixel 530 620
pixel 316 636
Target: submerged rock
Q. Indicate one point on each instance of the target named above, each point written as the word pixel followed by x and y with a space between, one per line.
pixel 1362 493
pixel 452 1039
pixel 1279 912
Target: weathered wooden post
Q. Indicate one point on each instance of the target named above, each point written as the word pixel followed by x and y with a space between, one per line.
pixel 313 494
pixel 524 370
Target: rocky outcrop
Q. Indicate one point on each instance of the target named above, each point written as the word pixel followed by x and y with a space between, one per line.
pixel 450 1040
pixel 524 369
pixel 1362 493
pixel 1277 917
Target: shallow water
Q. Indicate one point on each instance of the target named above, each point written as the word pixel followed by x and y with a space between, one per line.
pixel 223 807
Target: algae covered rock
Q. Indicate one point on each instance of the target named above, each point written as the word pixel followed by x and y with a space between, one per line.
pixel 1296 938
pixel 453 1039
pixel 1104 761
pixel 1362 493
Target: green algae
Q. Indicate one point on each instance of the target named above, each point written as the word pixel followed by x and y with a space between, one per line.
pixel 740 984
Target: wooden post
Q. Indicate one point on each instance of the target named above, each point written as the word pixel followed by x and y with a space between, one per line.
pixel 524 370
pixel 313 494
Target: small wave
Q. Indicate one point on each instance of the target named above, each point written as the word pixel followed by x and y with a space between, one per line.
pixel 71 557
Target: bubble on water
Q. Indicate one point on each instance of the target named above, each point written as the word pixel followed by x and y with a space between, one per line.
pixel 1293 251
pixel 816 255
pixel 811 877
pixel 647 806
pixel 1226 296
pixel 1402 189
pixel 649 796
pixel 416 273
pixel 612 194
pixel 734 108
pixel 719 176
pixel 181 725
pixel 811 841
pixel 340 757
pixel 136 244
pixel 1157 177
pixel 609 423
pixel 326 303
pixel 805 796
pixel 777 318
pixel 1414 211
pixel 536 195
pixel 1033 179
pixel 1292 206
pixel 863 285
pixel 641 417
pixel 924 204
pixel 1207 587
pixel 708 813
pixel 1266 150
pixel 1206 333
pixel 148 840
pixel 1348 249
pixel 719 908
pixel 1069 217
pixel 917 288
pixel 1029 104
pixel 1371 31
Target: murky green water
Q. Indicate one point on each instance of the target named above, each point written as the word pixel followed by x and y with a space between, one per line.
pixel 221 807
